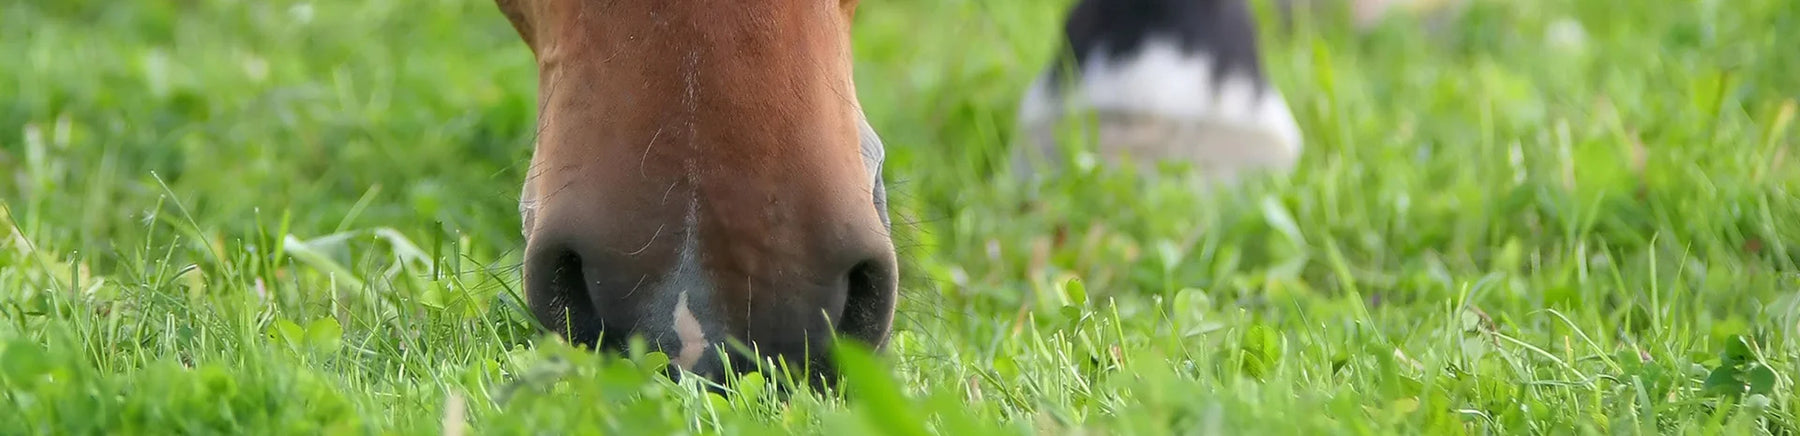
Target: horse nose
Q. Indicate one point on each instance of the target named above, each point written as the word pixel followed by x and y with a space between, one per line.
pixel 691 305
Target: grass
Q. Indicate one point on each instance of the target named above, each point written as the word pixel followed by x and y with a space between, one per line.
pixel 298 218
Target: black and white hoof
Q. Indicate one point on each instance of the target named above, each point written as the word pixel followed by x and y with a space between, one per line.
pixel 1161 80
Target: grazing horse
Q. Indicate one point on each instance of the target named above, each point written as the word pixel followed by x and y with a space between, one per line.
pixel 1166 80
pixel 704 176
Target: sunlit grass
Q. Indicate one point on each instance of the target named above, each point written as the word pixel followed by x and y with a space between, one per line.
pixel 298 218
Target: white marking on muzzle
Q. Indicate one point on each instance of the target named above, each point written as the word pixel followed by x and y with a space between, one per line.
pixel 687 328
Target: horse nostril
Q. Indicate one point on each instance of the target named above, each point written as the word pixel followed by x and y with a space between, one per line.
pixel 869 301
pixel 558 295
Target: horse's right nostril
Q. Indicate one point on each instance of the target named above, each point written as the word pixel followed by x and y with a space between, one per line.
pixel 558 294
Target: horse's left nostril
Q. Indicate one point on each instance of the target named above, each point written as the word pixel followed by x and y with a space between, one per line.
pixel 869 300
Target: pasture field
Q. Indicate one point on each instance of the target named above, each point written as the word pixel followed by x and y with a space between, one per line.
pixel 286 217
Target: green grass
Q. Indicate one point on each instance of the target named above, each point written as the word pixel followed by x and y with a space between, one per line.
pixel 297 218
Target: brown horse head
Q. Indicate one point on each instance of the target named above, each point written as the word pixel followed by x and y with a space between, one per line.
pixel 704 176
